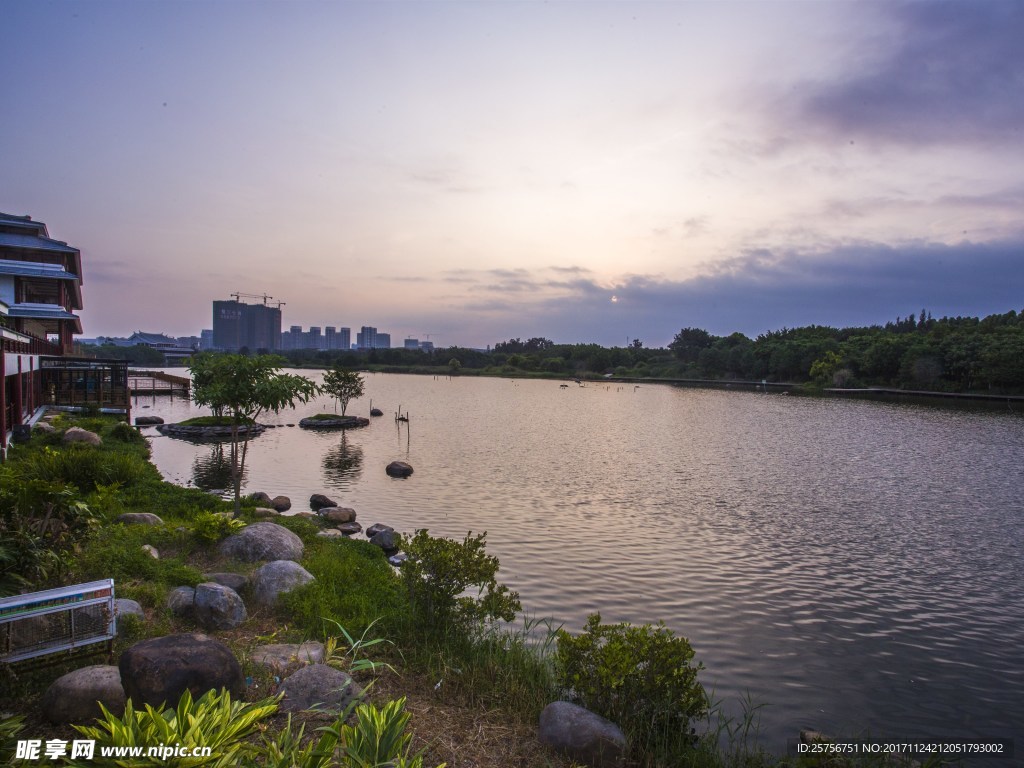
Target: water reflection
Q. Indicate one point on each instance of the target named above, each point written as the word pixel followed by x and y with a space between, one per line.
pixel 343 463
pixel 212 471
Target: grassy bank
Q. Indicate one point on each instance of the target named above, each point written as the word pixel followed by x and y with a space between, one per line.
pixel 474 684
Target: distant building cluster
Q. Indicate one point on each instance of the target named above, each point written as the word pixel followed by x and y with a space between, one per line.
pixel 174 349
pixel 238 325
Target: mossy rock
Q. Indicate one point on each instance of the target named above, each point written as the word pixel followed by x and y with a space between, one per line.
pixel 333 421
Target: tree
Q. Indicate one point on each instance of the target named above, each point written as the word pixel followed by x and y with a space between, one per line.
pixel 241 388
pixel 343 385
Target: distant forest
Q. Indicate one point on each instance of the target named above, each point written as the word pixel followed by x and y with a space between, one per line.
pixel 951 354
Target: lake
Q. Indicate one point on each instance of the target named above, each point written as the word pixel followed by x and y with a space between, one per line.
pixel 857 567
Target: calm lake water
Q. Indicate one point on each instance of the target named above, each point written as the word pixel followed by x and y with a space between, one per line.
pixel 857 567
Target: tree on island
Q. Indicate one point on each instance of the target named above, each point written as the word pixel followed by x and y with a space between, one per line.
pixel 241 388
pixel 342 385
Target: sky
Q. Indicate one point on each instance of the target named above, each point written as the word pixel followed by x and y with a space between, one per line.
pixel 478 171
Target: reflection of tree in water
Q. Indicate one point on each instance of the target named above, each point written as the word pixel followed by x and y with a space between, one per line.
pixel 343 463
pixel 212 472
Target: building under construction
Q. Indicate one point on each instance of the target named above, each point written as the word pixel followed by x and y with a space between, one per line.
pixel 255 327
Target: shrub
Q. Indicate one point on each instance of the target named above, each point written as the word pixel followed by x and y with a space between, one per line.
pixel 211 527
pixel 126 433
pixel 638 677
pixel 438 572
pixel 354 586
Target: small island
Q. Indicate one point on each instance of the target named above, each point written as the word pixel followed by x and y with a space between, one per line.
pixel 333 421
pixel 210 428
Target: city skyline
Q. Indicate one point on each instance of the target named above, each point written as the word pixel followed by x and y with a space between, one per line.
pixel 586 172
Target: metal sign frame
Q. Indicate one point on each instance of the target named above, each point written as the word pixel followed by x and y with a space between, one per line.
pixel 23 626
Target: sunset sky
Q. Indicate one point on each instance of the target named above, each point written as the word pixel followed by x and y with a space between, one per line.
pixel 476 171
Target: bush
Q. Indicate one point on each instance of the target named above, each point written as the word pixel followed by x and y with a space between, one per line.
pixel 211 527
pixel 126 433
pixel 354 586
pixel 638 677
pixel 438 572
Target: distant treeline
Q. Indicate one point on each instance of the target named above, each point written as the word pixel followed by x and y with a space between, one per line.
pixel 951 354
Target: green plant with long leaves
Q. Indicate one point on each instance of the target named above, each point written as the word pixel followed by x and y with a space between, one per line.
pixel 213 720
pixel 243 388
pixel 349 656
pixel 379 738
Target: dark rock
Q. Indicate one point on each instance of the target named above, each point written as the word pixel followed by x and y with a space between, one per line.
pixel 146 421
pixel 139 518
pixel 337 514
pixel 281 503
pixel 75 697
pixel 22 433
pixel 181 602
pixel 349 528
pixel 273 579
pixel 376 412
pixel 261 498
pixel 237 581
pixel 583 736
pixel 161 669
pixel 386 540
pixel 398 469
pixel 320 686
pixel 318 500
pixel 79 435
pixel 262 541
pixel 218 607
pixel 397 560
pixel 376 528
pixel 283 656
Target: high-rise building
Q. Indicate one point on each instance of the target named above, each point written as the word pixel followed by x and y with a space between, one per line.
pixel 330 337
pixel 383 341
pixel 345 338
pixel 315 340
pixel 367 337
pixel 412 344
pixel 252 326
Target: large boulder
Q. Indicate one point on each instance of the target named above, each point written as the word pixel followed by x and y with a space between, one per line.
pixel 262 498
pixel 320 686
pixel 349 529
pixel 398 469
pixel 280 657
pixel 337 514
pixel 44 426
pixel 181 602
pixel 582 735
pixel 218 607
pixel 139 518
pixel 281 503
pixel 318 500
pixel 147 421
pixel 273 579
pixel 262 541
pixel 376 528
pixel 79 435
pixel 76 696
pixel 161 669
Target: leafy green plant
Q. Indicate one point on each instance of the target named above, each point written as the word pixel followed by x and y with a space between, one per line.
pixel 10 726
pixel 350 655
pixel 379 738
pixel 288 748
pixel 213 720
pixel 437 573
pixel 211 527
pixel 641 678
